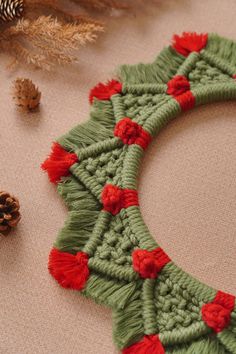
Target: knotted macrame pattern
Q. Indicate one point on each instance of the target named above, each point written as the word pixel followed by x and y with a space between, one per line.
pixel 105 250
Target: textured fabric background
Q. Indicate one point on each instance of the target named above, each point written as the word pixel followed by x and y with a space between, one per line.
pixel 187 184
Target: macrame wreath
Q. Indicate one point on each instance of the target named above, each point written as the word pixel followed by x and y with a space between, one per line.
pixel 105 249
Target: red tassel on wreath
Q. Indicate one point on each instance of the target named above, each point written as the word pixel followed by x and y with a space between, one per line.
pixel 71 271
pixel 105 91
pixel 189 42
pixel 148 345
pixel 58 163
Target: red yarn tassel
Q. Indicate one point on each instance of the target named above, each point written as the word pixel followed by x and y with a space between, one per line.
pixel 105 91
pixel 148 345
pixel 70 271
pixel 58 163
pixel 189 42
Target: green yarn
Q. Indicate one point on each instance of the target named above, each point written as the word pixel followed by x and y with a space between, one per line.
pixel 169 305
pixel 84 211
pixel 128 325
pixel 203 73
pixel 227 339
pixel 176 307
pixel 99 127
pixel 191 61
pixel 117 243
pixel 78 226
pixel 149 306
pixel 222 48
pixel 203 346
pixel 110 292
pixel 160 71
pixel 185 337
pixel 76 196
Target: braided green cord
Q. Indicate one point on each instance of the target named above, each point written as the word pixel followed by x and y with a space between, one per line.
pixel 150 323
pixel 188 64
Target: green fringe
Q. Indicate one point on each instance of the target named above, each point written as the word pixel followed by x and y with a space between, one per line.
pixel 168 62
pixel 76 231
pixel 128 325
pixel 84 211
pixel 222 47
pixel 228 339
pixel 98 127
pixel 102 112
pixel 202 346
pixel 160 71
pixel 76 196
pixel 113 293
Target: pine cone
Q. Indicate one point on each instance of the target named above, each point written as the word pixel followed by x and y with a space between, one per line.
pixel 9 212
pixel 26 94
pixel 11 9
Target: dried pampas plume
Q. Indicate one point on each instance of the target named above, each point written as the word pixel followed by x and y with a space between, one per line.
pixel 47 35
pixel 51 42
pixel 26 95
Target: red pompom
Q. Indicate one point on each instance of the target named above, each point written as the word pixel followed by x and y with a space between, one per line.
pixel 105 91
pixel 58 163
pixel 149 263
pixel 132 133
pixel 216 316
pixel 148 345
pixel 70 271
pixel 189 42
pixel 178 85
pixel 112 199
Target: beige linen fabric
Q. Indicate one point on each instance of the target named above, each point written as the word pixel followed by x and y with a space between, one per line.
pixel 187 184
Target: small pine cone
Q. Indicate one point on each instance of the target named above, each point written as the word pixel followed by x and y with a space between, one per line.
pixel 11 9
pixel 26 94
pixel 9 212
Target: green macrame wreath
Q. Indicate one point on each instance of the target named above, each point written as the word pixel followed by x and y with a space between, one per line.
pixel 105 249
